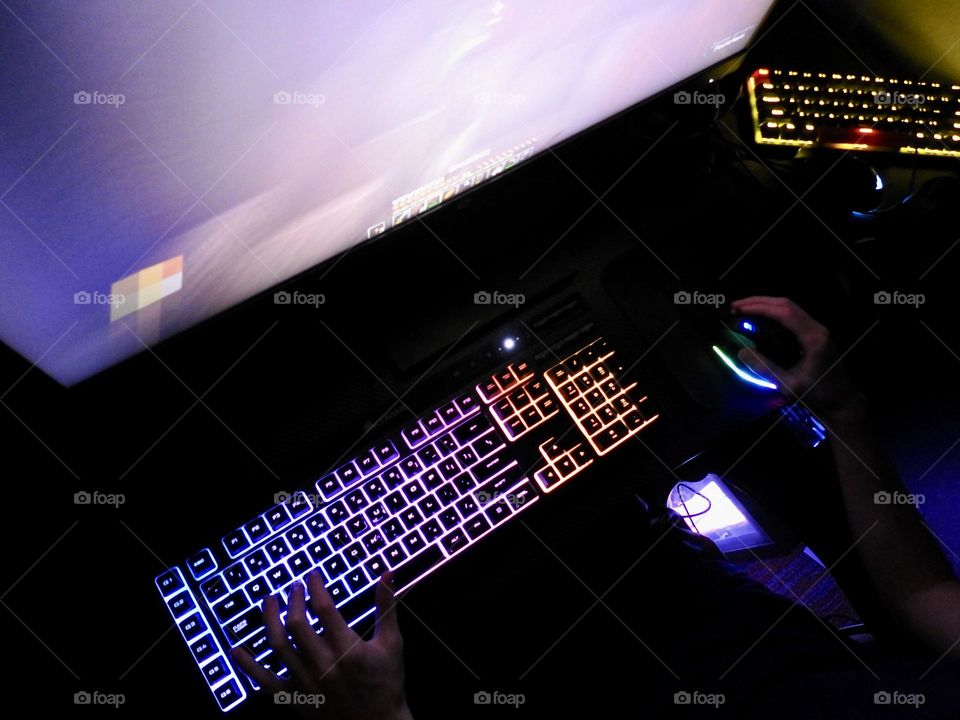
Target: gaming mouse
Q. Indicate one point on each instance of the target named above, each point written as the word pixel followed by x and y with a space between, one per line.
pixel 765 336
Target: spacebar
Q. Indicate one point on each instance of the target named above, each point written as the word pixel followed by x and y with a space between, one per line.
pixel 409 572
pixel 403 576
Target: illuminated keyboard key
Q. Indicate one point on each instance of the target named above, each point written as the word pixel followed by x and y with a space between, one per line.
pixel 386 452
pixel 228 694
pixel 477 526
pixel 297 537
pixel 202 564
pixel 433 423
pixel 249 623
pixel 471 429
pixel 169 582
pixel 257 589
pixel 329 486
pixel 299 564
pixel 489 390
pixel 298 505
pixel 277 549
pixel 515 428
pixel 411 467
pixel 335 566
pixel 278 577
pixel 506 379
pixel 233 605
pixel 367 462
pixel 256 562
pixel 449 413
pixel 318 550
pixel 467 404
pixel 215 671
pixel 466 457
pixel 497 512
pixel 339 538
pixel 348 474
pixel 192 626
pixel 431 530
pixel 375 566
pixel 236 542
pixel 611 435
pixel 454 542
pixel 278 517
pixel 356 580
pixel 414 435
pixel 214 588
pixel 181 604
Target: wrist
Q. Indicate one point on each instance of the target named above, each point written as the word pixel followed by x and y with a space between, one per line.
pixel 403 713
pixel 847 408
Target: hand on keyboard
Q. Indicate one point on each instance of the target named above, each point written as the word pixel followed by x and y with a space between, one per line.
pixel 337 673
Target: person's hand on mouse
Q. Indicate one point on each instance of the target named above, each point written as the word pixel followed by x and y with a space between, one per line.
pixel 818 378
pixel 357 679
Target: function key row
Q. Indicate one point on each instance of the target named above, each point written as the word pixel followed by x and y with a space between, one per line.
pixel 525 408
pixel 435 422
pixel 499 384
pixel 281 515
pixel 582 360
pixel 362 467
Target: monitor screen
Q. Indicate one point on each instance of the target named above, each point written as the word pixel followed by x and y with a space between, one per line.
pixel 164 161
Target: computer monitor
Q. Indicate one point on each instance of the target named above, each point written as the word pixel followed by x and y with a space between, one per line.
pixel 162 162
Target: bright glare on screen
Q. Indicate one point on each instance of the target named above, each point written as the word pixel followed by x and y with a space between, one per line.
pixel 162 162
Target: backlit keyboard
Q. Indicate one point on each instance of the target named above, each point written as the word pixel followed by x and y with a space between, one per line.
pixel 855 112
pixel 408 503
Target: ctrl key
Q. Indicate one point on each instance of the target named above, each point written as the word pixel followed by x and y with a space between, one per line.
pixel 228 694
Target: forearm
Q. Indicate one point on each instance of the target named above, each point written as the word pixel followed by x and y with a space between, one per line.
pixel 903 558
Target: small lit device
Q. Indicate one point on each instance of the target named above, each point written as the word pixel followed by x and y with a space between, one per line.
pixel 710 508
